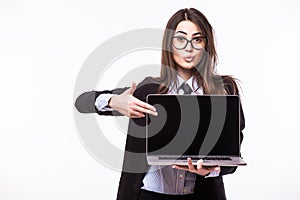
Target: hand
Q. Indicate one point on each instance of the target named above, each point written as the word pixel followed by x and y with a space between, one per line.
pixel 201 170
pixel 130 106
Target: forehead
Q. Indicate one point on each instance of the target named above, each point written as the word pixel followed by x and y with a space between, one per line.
pixel 188 27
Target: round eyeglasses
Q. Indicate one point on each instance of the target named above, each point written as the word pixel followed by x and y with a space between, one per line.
pixel 180 42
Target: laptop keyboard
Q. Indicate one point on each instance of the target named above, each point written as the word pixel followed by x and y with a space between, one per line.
pixel 192 157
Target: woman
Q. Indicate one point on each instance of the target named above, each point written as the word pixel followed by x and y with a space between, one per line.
pixel 188 65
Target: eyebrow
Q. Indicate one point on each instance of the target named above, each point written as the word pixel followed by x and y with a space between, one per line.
pixel 186 33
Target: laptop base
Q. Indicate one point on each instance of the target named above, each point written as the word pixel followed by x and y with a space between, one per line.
pixel 207 161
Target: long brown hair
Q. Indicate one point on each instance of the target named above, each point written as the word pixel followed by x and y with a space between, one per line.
pixel 204 72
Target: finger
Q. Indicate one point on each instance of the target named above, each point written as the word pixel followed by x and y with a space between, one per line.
pixel 135 114
pixel 144 105
pixel 180 167
pixel 143 110
pixel 213 168
pixel 141 106
pixel 199 164
pixel 218 169
pixel 128 91
pixel 133 87
pixel 190 165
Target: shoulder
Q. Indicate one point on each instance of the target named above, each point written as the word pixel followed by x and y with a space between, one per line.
pixel 149 85
pixel 230 85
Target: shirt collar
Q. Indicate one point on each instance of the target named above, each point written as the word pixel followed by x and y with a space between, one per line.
pixel 191 82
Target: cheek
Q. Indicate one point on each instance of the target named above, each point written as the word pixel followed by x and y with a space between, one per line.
pixel 198 57
pixel 177 56
pixel 178 60
pixel 177 52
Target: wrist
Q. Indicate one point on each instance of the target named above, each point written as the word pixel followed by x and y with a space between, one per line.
pixel 110 105
pixel 206 174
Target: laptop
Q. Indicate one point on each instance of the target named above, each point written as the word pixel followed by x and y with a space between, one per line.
pixel 194 126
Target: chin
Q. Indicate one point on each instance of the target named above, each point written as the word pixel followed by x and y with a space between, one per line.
pixel 190 66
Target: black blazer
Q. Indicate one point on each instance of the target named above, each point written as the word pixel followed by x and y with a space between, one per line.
pixel 130 182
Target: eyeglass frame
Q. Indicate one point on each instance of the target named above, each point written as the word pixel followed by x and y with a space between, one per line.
pixel 188 41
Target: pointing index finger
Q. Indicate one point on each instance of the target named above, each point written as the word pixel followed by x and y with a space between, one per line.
pixel 145 106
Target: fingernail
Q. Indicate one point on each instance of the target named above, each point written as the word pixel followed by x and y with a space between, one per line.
pixel 173 166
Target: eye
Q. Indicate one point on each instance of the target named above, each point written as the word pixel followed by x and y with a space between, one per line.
pixel 179 39
pixel 198 39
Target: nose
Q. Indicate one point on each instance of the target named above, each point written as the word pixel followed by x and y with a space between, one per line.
pixel 189 47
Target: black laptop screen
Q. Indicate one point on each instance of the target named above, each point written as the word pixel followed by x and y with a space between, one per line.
pixel 194 125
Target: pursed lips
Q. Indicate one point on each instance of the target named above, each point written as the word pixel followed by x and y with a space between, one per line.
pixel 188 58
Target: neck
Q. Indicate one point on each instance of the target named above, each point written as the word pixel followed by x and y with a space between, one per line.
pixel 185 73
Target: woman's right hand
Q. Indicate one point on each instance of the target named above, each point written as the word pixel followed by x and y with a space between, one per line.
pixel 130 106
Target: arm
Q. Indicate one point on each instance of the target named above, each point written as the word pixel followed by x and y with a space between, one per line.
pixel 233 89
pixel 85 103
pixel 122 103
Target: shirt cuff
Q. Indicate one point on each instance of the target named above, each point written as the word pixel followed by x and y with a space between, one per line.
pixel 101 102
pixel 213 174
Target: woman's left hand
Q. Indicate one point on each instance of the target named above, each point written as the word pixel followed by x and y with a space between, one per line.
pixel 200 169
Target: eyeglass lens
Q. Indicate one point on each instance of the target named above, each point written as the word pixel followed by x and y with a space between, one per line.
pixel 181 42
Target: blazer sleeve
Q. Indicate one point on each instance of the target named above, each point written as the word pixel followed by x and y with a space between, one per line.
pixel 232 88
pixel 85 103
pixel 230 170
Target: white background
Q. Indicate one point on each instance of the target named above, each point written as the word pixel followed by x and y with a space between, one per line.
pixel 43 45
